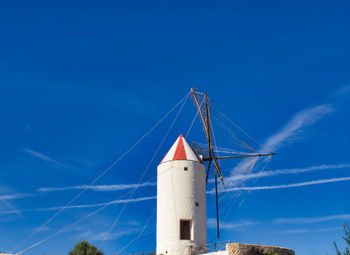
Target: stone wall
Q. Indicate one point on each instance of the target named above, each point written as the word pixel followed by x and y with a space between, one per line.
pixel 252 249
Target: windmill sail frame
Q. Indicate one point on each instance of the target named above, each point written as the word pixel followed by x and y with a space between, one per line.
pixel 209 156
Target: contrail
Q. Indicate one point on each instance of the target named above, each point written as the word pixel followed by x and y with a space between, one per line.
pixel 281 221
pixel 296 231
pixel 56 208
pixel 284 186
pixel 14 196
pixel 243 177
pixel 228 225
pixel 12 208
pixel 307 220
pixel 240 177
pixel 44 157
pixel 113 187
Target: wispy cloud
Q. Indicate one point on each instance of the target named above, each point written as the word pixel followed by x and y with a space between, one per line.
pixel 295 126
pixel 285 186
pixel 342 91
pixel 230 225
pixel 12 208
pixel 306 220
pixel 14 196
pixel 113 187
pixel 289 132
pixel 5 200
pixel 99 236
pixel 43 228
pixel 103 235
pixel 43 157
pixel 281 221
pixel 297 231
pixel 55 208
pixel 243 177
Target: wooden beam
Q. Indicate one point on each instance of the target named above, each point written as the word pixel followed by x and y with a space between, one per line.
pixel 244 156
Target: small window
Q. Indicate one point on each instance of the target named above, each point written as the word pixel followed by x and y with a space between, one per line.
pixel 186 168
pixel 197 204
pixel 185 229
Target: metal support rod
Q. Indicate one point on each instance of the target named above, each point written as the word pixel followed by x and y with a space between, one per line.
pixel 243 156
pixel 217 205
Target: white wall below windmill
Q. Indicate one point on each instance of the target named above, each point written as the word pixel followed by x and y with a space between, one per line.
pixel 181 195
pixel 215 253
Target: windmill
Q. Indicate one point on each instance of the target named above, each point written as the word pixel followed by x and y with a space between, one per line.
pixel 203 110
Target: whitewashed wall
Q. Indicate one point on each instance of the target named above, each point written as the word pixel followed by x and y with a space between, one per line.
pixel 177 193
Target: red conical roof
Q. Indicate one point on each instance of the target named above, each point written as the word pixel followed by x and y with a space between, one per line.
pixel 181 150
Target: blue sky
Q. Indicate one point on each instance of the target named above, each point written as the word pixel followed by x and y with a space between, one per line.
pixel 81 82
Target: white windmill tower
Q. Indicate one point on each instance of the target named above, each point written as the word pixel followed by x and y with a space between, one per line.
pixel 181 201
pixel 181 189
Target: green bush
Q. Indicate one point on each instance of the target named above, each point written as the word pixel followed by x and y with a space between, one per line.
pixel 346 237
pixel 84 248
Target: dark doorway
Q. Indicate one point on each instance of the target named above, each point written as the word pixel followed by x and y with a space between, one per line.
pixel 185 229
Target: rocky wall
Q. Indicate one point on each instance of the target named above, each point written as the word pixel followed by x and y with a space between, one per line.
pixel 252 249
